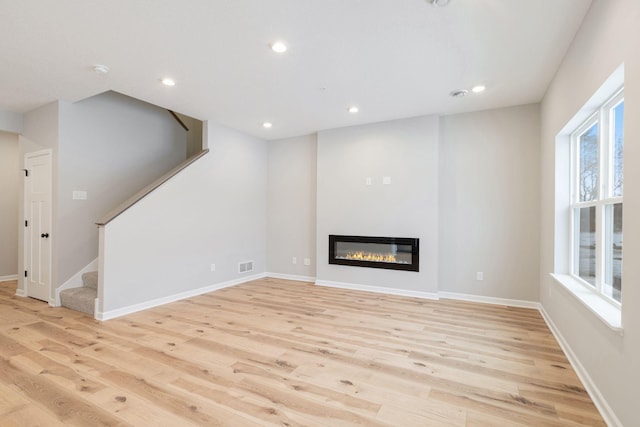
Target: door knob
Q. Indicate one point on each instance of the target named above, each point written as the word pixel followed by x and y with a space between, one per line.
pixel 45 235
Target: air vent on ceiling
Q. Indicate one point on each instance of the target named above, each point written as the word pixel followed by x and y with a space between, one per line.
pixel 459 93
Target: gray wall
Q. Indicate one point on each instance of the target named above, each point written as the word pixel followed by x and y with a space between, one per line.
pixel 291 206
pixel 407 152
pixel 41 129
pixel 467 185
pixel 11 122
pixel 213 212
pixel 489 203
pixel 608 37
pixel 110 146
pixel 194 135
pixel 10 177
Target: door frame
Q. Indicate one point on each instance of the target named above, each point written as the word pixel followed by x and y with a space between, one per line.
pixel 26 240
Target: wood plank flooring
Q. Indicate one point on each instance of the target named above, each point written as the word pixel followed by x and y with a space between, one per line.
pixel 283 353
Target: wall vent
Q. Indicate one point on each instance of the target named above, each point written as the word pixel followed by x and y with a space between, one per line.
pixel 245 266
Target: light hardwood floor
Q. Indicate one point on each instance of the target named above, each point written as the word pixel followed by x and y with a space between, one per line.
pixel 283 353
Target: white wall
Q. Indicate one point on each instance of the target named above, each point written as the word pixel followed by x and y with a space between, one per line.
pixel 110 146
pixel 212 212
pixel 10 177
pixel 608 37
pixel 291 201
pixel 489 203
pixel 405 150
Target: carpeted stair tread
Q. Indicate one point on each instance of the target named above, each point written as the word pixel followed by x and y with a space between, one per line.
pixel 80 299
pixel 90 280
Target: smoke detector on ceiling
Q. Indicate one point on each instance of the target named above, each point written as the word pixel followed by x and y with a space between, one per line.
pixel 439 3
pixel 100 69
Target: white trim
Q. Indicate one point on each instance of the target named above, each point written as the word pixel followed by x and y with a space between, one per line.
pixel 604 198
pixel 429 295
pixel 9 277
pixel 21 293
pixel 612 85
pixel 75 281
pixel 378 289
pixel 603 407
pixel 605 311
pixel 26 242
pixel 172 298
pixel 490 300
pixel 292 277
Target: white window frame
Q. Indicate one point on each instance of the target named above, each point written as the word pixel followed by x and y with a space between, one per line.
pixel 606 143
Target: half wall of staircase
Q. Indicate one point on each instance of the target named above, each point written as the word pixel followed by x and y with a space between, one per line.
pixel 191 232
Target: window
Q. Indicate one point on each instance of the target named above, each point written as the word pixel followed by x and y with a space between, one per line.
pixel 597 149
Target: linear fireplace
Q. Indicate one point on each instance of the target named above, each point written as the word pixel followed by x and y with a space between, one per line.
pixel 394 253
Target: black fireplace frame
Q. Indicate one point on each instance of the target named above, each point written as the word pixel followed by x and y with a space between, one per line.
pixel 413 242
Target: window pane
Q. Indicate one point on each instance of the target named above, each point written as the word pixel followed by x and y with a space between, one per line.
pixel 588 184
pixel 618 148
pixel 586 230
pixel 613 274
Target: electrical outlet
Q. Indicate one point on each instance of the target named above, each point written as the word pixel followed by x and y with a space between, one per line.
pixel 386 180
pixel 294 260
pixel 479 275
pixel 307 261
pixel 213 267
pixel 368 181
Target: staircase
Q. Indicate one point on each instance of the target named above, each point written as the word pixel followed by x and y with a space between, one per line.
pixel 83 298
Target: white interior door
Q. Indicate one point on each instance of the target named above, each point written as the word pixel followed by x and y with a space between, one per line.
pixel 37 240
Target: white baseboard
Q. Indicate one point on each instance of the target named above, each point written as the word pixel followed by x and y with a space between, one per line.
pixel 7 278
pixel 429 295
pixel 112 314
pixel 21 293
pixel 598 400
pixel 292 277
pixel 490 300
pixel 75 281
pixel 378 289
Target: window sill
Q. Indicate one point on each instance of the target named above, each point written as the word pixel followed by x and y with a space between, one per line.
pixel 605 311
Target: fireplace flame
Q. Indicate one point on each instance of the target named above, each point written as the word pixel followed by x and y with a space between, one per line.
pixel 369 256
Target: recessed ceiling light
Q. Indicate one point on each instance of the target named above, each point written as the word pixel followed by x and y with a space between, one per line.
pixel 459 93
pixel 478 89
pixel 101 69
pixel 279 47
pixel 267 125
pixel 353 109
pixel 439 3
pixel 168 82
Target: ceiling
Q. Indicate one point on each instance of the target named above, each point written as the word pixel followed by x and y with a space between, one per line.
pixel 391 58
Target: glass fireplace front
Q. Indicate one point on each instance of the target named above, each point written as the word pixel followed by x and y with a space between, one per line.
pixel 396 253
